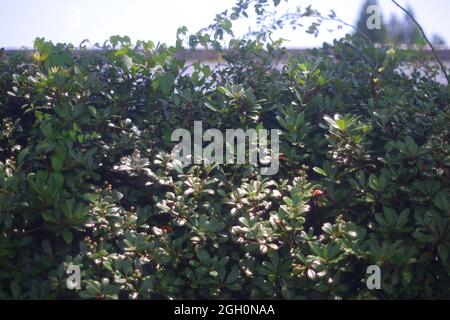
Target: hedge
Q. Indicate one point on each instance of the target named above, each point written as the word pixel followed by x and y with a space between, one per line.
pixel 87 178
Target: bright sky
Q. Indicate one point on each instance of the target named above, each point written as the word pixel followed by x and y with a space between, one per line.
pixel 75 20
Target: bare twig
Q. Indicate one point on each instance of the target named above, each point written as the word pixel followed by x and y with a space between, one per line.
pixel 444 70
pixel 365 36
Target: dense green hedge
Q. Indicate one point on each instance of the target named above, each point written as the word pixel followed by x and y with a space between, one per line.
pixel 86 176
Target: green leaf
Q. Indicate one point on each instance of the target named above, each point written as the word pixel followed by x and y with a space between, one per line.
pixel 89 197
pixel 443 253
pixel 57 162
pixel 233 275
pixel 211 107
pixel 48 216
pixel 165 83
pixel 441 201
pixel 411 145
pixel 147 285
pixel 202 255
pixel 22 155
pixel 320 171
pixel 342 125
pixel 67 236
pixel 315 249
pixel 274 258
pixel 47 247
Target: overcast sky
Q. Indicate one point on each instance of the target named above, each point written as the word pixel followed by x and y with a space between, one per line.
pixel 75 20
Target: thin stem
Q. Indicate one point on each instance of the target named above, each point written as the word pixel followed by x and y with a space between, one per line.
pixel 365 36
pixel 444 70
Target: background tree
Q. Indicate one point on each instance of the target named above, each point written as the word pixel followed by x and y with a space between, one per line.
pixel 404 31
pixel 397 30
pixel 437 39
